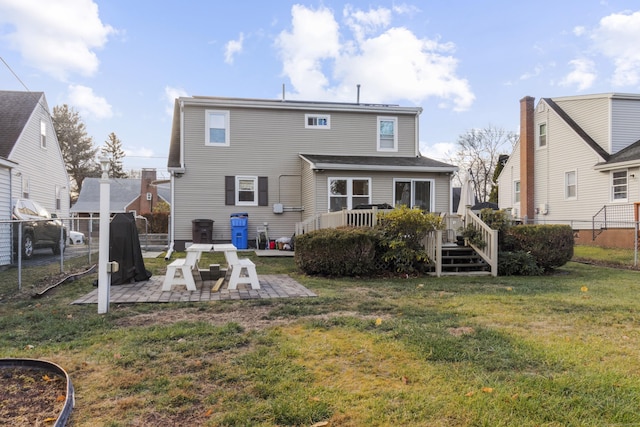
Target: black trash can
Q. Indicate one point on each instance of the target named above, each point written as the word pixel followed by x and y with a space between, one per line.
pixel 202 230
pixel 239 230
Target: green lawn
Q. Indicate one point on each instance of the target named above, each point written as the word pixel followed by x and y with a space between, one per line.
pixel 558 350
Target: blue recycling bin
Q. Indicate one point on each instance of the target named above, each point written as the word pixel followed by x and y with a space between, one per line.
pixel 239 230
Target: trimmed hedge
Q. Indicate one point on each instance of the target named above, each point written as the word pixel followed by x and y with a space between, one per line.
pixel 345 251
pixel 551 245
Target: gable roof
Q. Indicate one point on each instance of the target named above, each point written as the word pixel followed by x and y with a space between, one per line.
pixel 577 129
pixel 377 163
pixel 123 192
pixel 15 110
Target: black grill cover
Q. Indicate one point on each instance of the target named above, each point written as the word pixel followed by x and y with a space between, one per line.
pixel 124 248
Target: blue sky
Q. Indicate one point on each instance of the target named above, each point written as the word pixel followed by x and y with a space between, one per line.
pixel 466 63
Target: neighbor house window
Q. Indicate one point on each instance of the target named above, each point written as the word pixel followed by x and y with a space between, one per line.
pixel 43 134
pixel 542 135
pixel 619 184
pixel 317 121
pixel 387 134
pixel 414 193
pixel 570 185
pixel 58 198
pixel 246 190
pixel 217 128
pixel 26 187
pixel 516 192
pixel 347 193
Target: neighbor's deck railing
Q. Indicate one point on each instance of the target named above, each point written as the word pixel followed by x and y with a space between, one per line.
pixel 490 251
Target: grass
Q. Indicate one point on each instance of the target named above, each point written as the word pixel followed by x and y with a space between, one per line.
pixel 557 350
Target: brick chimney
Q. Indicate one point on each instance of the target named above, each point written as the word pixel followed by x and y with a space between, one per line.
pixel 527 151
pixel 148 176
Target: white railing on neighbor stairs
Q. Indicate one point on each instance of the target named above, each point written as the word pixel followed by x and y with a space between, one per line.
pixel 490 251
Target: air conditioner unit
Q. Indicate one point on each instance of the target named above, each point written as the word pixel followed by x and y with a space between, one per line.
pixel 149 196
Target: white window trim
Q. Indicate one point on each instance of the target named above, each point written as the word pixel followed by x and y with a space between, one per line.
pixel 614 200
pixel 395 133
pixel 519 192
pixel 566 185
pixel 432 183
pixel 255 190
pixel 546 136
pixel 227 134
pixel 43 134
pixel 327 117
pixel 350 194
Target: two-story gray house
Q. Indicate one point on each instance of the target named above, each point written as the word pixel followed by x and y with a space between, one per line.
pixel 282 162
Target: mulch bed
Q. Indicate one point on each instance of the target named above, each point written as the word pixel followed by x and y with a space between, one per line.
pixel 30 396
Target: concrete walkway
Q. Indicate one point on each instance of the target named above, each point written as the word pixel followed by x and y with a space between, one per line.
pixel 271 286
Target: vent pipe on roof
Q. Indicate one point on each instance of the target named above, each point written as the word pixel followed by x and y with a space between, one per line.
pixel 282 91
pixel 358 98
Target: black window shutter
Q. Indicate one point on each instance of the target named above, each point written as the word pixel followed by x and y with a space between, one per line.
pixel 263 191
pixel 229 190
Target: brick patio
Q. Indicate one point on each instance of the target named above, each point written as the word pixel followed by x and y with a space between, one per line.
pixel 271 286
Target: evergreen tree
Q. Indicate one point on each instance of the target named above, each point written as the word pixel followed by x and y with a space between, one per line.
pixel 77 147
pixel 112 149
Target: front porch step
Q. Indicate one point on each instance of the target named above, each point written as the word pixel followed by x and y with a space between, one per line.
pixel 463 260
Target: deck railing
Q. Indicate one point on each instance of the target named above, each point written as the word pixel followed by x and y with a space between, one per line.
pixel 355 218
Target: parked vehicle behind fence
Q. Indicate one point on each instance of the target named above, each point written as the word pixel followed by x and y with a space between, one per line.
pixel 39 230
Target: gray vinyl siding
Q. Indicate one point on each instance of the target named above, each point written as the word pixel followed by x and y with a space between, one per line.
pixel 266 142
pixel 5 215
pixel 592 115
pixel 43 167
pixel 625 123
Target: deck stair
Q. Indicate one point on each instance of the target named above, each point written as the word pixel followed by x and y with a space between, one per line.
pixel 463 260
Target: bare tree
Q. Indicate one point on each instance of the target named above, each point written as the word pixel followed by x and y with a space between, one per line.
pixel 112 149
pixel 477 153
pixel 77 147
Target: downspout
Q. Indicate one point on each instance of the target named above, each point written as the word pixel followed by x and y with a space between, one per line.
pixel 172 213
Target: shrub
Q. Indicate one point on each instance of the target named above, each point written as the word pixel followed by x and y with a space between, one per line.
pixel 343 251
pixel 550 245
pixel 402 231
pixel 519 263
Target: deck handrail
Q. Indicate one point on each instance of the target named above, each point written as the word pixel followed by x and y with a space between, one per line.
pixel 489 252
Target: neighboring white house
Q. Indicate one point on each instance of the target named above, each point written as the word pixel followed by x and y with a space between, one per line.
pixel 282 162
pixel 31 163
pixel 577 163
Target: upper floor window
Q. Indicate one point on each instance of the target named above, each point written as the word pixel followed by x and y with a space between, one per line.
pixel 43 134
pixel 619 183
pixel 542 135
pixel 414 193
pixel 217 128
pixel 347 193
pixel 516 192
pixel 387 134
pixel 570 185
pixel 317 121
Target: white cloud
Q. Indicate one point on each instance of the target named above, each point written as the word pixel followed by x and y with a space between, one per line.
pixel 58 37
pixel 618 37
pixel 391 64
pixel 89 104
pixel 170 94
pixel 583 74
pixel 232 47
pixel 441 151
pixel 139 152
pixel 579 30
pixel 530 74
